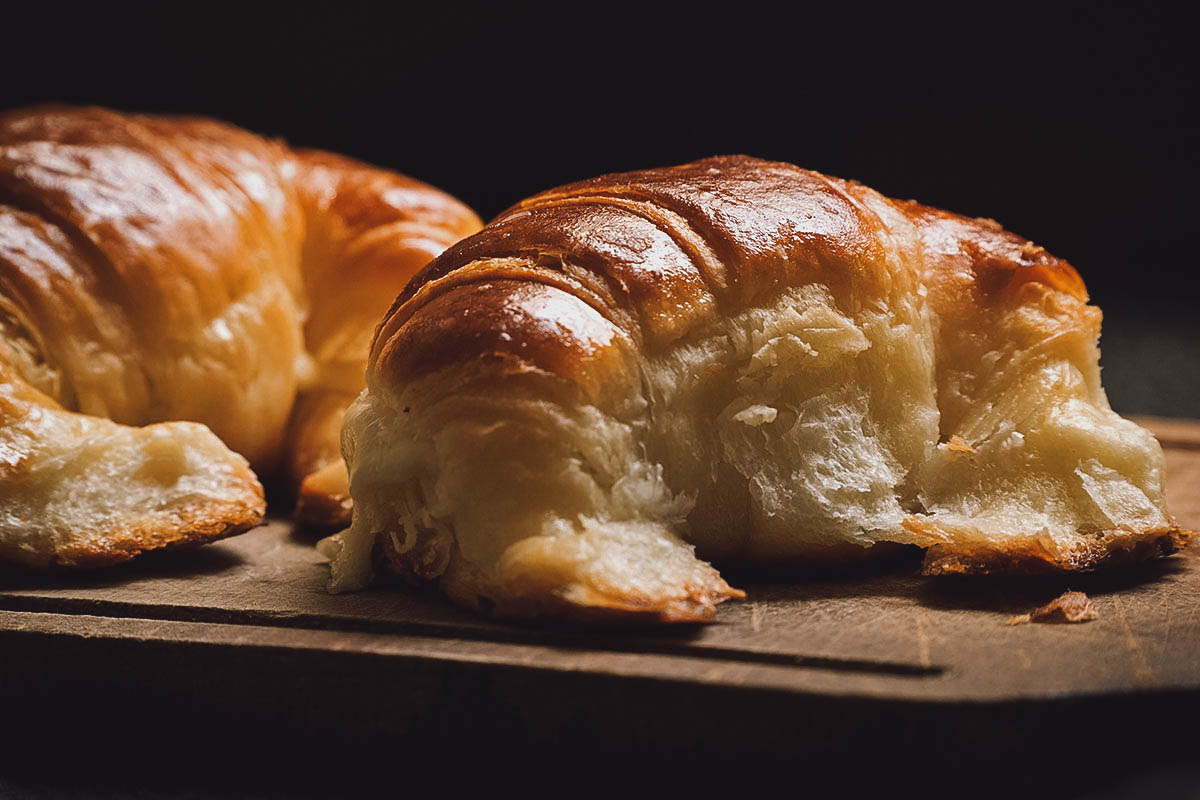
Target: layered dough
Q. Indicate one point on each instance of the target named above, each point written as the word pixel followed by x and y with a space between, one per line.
pixel 156 269
pixel 734 361
pixel 79 490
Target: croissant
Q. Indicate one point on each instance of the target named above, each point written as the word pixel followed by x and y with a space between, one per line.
pixel 742 362
pixel 157 269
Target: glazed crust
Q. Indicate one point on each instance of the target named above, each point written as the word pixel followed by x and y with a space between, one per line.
pixel 174 268
pixel 729 316
pixel 658 253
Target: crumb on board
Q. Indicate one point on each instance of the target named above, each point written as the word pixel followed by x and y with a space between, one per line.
pixel 1067 607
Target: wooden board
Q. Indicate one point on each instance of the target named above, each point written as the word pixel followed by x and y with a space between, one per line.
pixel 246 626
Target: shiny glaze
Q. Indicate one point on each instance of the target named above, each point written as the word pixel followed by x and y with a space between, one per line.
pixel 660 253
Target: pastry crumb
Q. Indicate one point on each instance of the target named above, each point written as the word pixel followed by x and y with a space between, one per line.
pixel 959 445
pixel 1067 607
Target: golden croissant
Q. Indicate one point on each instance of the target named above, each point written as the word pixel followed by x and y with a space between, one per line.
pixel 615 382
pixel 158 269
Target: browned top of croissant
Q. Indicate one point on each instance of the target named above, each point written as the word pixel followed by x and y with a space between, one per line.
pixel 660 252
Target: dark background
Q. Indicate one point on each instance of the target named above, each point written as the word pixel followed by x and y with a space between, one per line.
pixel 1072 126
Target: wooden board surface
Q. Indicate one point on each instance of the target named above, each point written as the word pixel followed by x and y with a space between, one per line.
pixel 257 601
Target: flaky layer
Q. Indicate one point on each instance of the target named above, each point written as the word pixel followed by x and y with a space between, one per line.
pixel 741 361
pixel 83 491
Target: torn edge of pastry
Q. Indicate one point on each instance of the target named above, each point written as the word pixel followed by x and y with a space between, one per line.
pixel 83 491
pixel 572 412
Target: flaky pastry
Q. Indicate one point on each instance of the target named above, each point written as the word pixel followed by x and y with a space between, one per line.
pixel 742 362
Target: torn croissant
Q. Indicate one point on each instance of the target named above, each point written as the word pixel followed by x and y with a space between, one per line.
pixel 742 362
pixel 172 268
